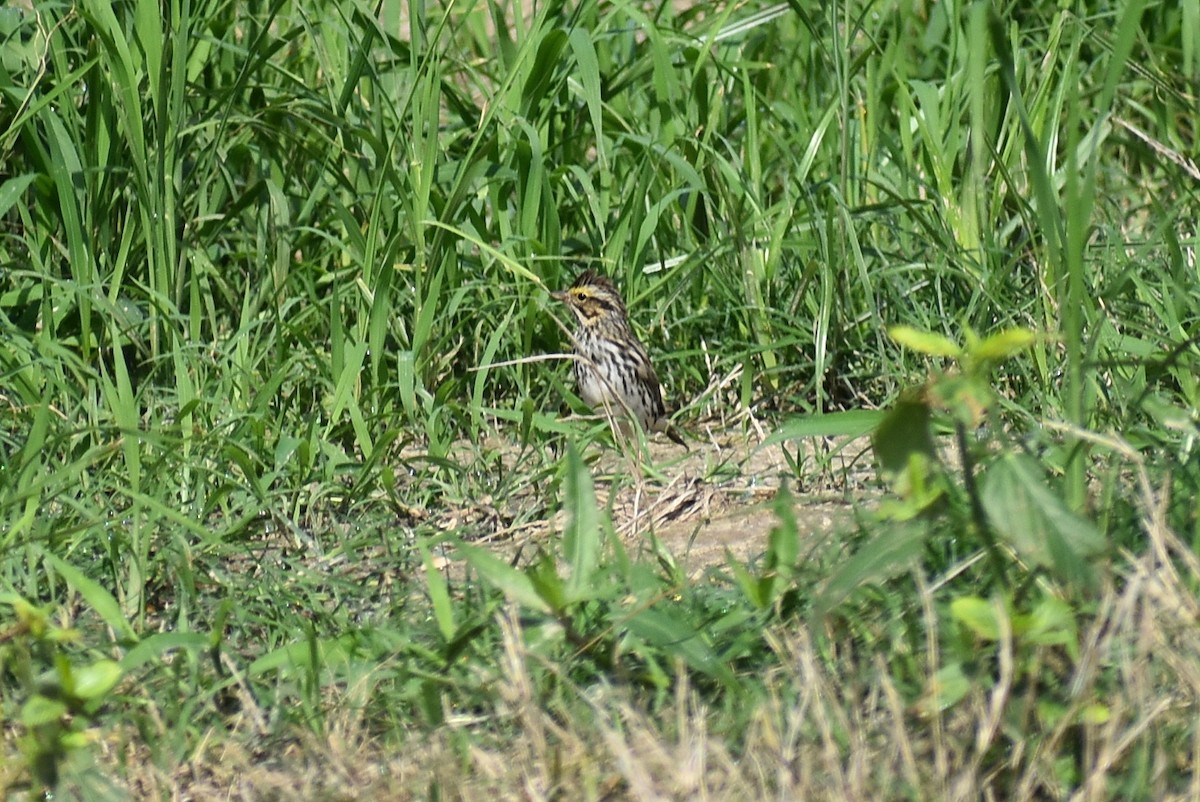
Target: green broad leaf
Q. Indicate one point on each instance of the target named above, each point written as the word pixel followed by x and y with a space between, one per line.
pixel 757 590
pixel 220 618
pixel 284 449
pixel 482 375
pixel 905 430
pixel 665 629
pixel 946 688
pixel 1168 414
pixel 250 469
pixel 545 67
pixel 406 379
pixel 97 597
pixel 917 488
pixel 152 43
pixel 581 538
pixel 76 740
pixel 966 396
pixel 12 189
pixel 348 381
pixel 532 157
pixel 15 601
pixel 429 700
pixel 590 81
pixel 439 593
pixel 508 580
pixel 1052 623
pixel 924 342
pixel 526 427
pixel 1036 521
pixel 530 418
pixel 35 619
pixel 884 556
pixel 301 655
pixel 1050 713
pixel 783 542
pixel 94 681
pixel 977 615
pixel 1000 346
pixel 161 643
pixel 650 224
pixel 854 423
pixel 39 711
pixel 547 582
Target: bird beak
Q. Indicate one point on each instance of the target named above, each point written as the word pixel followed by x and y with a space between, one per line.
pixel 559 295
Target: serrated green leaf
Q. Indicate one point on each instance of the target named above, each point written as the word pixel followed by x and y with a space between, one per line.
pixel 1035 521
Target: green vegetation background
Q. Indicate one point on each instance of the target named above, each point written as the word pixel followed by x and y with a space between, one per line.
pixel 256 260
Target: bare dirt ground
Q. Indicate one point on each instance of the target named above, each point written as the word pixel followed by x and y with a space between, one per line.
pixel 700 520
pixel 716 498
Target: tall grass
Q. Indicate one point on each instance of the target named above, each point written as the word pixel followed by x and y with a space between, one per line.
pixel 268 273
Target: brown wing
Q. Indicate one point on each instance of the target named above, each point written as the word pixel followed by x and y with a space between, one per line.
pixel 646 374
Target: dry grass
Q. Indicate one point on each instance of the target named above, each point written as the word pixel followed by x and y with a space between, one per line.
pixel 825 730
pixel 827 727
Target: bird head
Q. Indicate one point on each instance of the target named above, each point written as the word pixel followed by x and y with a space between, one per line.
pixel 592 297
